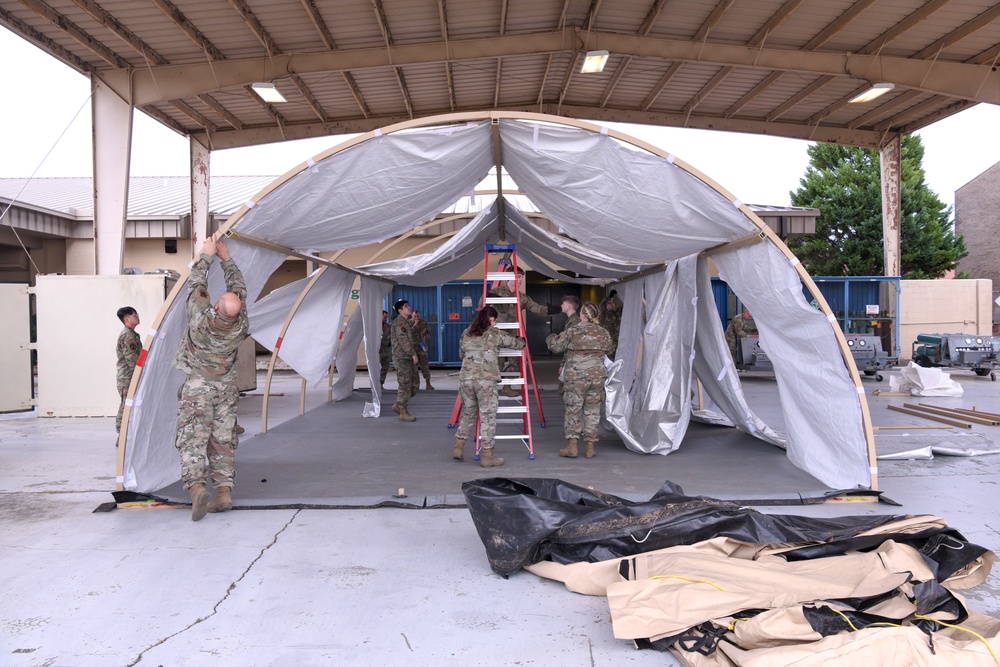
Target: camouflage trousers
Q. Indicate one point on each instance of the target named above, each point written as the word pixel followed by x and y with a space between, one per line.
pixel 479 399
pixel 122 391
pixel 406 376
pixel 424 364
pixel 583 399
pixel 384 359
pixel 206 431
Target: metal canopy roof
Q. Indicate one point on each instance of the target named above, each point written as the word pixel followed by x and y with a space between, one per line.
pixel 779 67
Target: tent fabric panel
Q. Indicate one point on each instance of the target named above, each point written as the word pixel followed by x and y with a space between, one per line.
pixel 713 366
pixel 151 461
pixel 594 187
pixel 310 342
pixel 819 400
pixel 373 190
pixel 361 328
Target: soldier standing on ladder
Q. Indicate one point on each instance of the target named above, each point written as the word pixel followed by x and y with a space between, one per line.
pixel 507 312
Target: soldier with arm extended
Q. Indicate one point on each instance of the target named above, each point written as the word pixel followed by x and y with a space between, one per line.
pixel 507 312
pixel 610 312
pixel 738 328
pixel 127 350
pixel 206 412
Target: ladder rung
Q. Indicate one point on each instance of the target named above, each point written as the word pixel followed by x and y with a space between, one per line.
pixel 519 421
pixel 512 409
pixel 501 299
pixel 510 437
pixel 513 382
pixel 499 275
pixel 508 352
pixel 507 325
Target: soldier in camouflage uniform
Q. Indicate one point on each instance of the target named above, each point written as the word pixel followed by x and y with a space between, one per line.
pixel 570 304
pixel 738 328
pixel 610 313
pixel 385 349
pixel 206 414
pixel 421 341
pixel 128 348
pixel 478 379
pixel 585 345
pixel 404 356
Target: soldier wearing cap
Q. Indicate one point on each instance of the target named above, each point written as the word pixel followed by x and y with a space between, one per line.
pixel 421 339
pixel 404 356
pixel 127 350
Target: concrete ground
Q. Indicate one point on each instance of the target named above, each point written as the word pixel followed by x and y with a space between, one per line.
pixel 386 586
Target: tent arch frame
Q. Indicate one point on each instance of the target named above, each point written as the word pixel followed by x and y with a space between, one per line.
pixel 494 116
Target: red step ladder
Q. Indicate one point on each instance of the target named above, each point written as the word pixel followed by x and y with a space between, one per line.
pixel 516 405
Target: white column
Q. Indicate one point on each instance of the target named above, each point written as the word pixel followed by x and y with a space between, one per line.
pixel 889 157
pixel 112 137
pixel 200 179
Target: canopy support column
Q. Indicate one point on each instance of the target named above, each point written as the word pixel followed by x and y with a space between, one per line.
pixel 889 158
pixel 112 141
pixel 200 184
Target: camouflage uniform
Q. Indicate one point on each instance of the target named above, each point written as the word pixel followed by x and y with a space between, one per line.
pixel 611 320
pixel 401 335
pixel 737 329
pixel 585 345
pixel 206 414
pixel 128 348
pixel 421 338
pixel 507 312
pixel 572 320
pixel 385 352
pixel 478 381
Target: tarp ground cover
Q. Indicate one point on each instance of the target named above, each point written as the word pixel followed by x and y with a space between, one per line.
pixel 721 584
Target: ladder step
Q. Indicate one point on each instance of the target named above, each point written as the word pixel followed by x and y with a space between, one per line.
pixel 507 325
pixel 513 382
pixel 501 299
pixel 499 275
pixel 508 352
pixel 519 421
pixel 510 437
pixel 512 409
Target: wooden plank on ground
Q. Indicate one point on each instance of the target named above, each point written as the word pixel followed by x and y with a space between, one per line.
pixel 917 413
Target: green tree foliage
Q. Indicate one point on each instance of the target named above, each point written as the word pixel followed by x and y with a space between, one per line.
pixel 843 182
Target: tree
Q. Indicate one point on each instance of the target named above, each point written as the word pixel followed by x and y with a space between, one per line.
pixel 843 182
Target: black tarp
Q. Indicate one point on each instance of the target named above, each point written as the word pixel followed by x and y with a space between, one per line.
pixel 527 520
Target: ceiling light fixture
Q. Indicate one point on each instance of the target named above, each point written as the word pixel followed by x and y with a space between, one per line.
pixel 594 62
pixel 268 92
pixel 877 90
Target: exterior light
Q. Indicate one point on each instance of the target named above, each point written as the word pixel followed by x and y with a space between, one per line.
pixel 268 92
pixel 877 90
pixel 594 62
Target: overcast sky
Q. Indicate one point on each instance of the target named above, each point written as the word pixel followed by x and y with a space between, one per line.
pixel 46 132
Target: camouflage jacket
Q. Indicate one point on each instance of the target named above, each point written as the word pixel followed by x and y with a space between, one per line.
pixel 208 347
pixel 507 312
pixel 128 348
pixel 480 359
pixel 572 321
pixel 421 333
pixel 401 335
pixel 585 345
pixel 385 345
pixel 738 328
pixel 611 319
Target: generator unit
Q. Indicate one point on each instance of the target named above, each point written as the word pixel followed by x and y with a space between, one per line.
pixel 971 351
pixel 868 354
pixel 750 356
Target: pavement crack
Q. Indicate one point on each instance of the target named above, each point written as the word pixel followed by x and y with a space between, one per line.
pixel 229 590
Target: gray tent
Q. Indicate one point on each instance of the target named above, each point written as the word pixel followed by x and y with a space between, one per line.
pixel 628 214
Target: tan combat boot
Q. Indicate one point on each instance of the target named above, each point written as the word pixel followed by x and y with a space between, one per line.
pixel 591 449
pixel 570 450
pixel 223 500
pixel 395 407
pixel 487 460
pixel 459 454
pixel 430 387
pixel 405 416
pixel 199 501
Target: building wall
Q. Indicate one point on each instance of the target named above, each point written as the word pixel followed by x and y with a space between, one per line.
pixel 150 254
pixel 977 218
pixel 80 260
pixel 943 306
